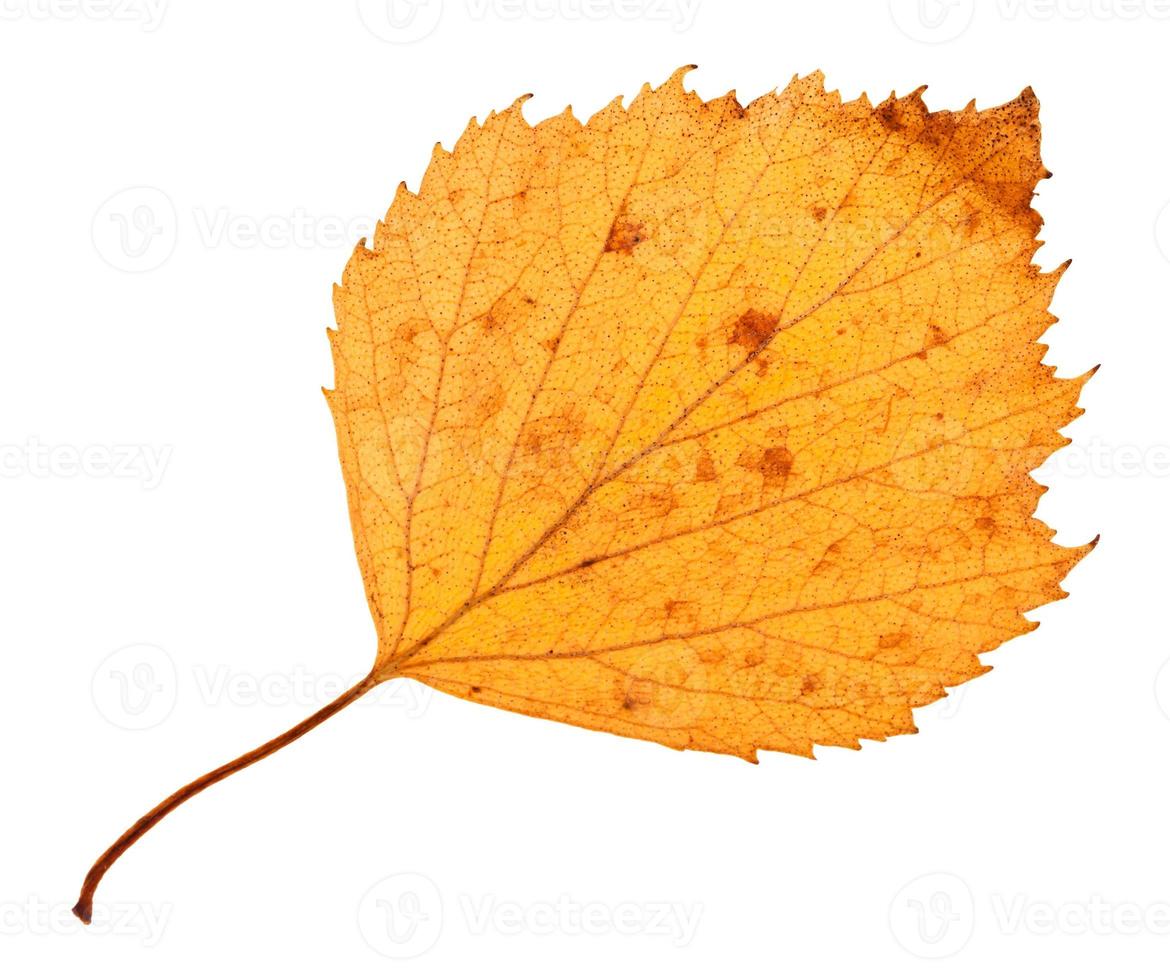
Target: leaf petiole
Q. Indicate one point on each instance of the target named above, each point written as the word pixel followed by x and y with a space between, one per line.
pixel 84 907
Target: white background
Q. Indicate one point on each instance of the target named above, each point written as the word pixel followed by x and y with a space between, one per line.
pixel 171 485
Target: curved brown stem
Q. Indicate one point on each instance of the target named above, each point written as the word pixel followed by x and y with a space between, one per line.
pixel 84 907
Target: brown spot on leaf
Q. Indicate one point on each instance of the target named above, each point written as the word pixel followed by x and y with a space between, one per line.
pixel 625 234
pixel 775 463
pixel 488 401
pixel 705 468
pixel 889 117
pixel 753 329
pixel 681 613
pixel 935 337
pixel 819 212
pixel 656 503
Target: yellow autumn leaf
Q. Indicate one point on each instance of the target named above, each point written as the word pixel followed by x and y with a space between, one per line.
pixel 703 424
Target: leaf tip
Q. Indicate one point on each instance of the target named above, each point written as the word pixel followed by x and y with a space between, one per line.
pixel 675 81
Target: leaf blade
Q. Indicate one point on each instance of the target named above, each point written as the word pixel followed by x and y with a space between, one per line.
pixel 730 420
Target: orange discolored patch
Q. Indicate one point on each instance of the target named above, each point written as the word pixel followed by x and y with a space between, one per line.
pixel 776 464
pixel 704 467
pixel 753 329
pixel 624 235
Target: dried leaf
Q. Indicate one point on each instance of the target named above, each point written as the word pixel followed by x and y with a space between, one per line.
pixel 704 424
pixel 701 424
